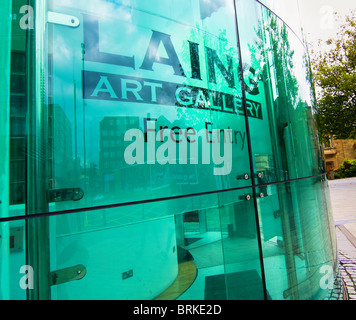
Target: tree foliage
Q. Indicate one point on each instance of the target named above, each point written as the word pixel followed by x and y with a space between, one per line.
pixel 347 169
pixel 335 79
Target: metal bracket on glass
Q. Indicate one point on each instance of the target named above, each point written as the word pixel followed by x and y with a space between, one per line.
pixel 245 197
pixel 68 194
pixel 63 19
pixel 68 274
pixel 242 176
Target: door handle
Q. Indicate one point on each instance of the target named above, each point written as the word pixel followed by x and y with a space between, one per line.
pixel 68 274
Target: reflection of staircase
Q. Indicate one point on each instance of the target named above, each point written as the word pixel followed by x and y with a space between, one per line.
pixel 187 273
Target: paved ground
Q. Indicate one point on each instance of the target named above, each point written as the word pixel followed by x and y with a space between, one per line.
pixel 343 202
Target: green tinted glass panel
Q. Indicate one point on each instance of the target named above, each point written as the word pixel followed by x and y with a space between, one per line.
pixel 202 248
pixel 141 99
pixel 5 58
pixel 174 249
pixel 297 241
pixel 276 73
pixel 14 271
pixel 240 246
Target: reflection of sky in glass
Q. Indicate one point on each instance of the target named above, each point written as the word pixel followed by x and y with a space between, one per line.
pixel 300 69
pixel 288 10
pixel 249 36
pixel 126 31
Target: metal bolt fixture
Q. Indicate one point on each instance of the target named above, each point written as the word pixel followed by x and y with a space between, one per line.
pixel 259 174
pixel 261 195
pixel 247 197
pixel 246 176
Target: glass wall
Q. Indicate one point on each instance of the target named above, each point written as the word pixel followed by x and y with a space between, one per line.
pixel 285 143
pixel 160 152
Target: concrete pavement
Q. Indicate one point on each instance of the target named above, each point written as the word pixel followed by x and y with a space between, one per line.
pixel 343 202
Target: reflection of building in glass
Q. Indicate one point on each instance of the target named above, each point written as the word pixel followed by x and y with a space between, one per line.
pixel 18 111
pixel 61 137
pixel 111 160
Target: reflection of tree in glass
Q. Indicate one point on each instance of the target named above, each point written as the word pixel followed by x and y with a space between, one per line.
pixel 273 50
pixel 218 62
pixel 274 57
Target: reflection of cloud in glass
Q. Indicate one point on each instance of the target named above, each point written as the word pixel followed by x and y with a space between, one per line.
pixel 98 7
pixel 62 52
pixel 208 7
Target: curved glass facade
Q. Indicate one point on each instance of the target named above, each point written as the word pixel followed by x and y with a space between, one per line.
pixel 156 151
